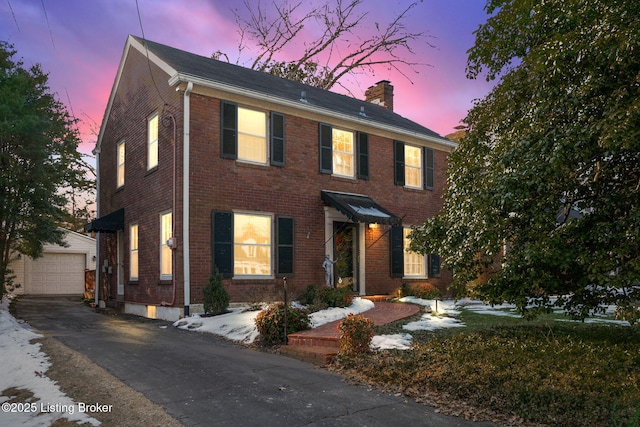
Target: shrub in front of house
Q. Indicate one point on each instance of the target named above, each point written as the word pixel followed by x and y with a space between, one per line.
pixel 270 322
pixel 356 333
pixel 216 297
pixel 319 298
pixel 420 290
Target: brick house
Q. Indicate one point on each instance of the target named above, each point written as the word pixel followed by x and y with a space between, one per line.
pixel 203 164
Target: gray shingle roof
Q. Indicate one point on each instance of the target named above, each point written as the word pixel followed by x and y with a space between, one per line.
pixel 230 74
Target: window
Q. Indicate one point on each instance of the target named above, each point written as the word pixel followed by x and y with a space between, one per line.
pixel 338 152
pixel 120 165
pixel 243 244
pixel 413 166
pixel 410 264
pixel 245 136
pixel 414 264
pixel 251 245
pixel 166 261
pixel 133 252
pixel 152 142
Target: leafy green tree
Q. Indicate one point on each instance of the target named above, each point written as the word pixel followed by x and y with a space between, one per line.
pixel 549 170
pixel 39 162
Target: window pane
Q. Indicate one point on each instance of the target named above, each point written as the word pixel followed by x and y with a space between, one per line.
pixel 166 265
pixel 413 166
pixel 120 177
pixel 252 135
pixel 152 142
pixel 342 152
pixel 252 244
pixel 414 264
pixel 133 258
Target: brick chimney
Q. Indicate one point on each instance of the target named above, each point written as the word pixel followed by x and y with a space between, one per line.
pixel 380 94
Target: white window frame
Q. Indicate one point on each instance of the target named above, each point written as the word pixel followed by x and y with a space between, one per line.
pixel 411 167
pixel 337 153
pixel 134 250
pixel 152 141
pixel 165 235
pixel 413 257
pixel 120 164
pixel 270 246
pixel 243 132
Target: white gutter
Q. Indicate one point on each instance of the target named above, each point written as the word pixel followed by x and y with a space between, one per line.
pixel 186 265
pixel 311 108
pixel 96 290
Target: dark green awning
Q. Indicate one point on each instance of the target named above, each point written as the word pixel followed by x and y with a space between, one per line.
pixel 109 223
pixel 359 208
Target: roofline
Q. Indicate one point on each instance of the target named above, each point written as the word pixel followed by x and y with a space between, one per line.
pixel 131 43
pixel 178 78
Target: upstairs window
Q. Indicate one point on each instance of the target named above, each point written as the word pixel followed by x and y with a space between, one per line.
pixel 120 165
pixel 245 135
pixel 152 142
pixel 339 152
pixel 413 166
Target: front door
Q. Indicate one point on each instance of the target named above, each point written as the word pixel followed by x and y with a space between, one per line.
pixel 345 255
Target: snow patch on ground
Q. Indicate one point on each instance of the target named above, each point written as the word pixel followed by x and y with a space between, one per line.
pixel 24 367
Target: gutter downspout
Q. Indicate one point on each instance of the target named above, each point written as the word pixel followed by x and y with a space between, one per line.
pixel 96 291
pixel 186 265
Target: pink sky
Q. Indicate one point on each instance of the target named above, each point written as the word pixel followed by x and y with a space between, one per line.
pixel 79 43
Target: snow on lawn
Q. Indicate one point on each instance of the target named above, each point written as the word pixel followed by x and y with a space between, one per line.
pixel 24 367
pixel 239 325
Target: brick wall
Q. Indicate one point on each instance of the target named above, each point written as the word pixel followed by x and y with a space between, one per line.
pixel 218 184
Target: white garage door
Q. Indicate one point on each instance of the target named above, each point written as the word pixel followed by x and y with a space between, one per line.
pixel 57 274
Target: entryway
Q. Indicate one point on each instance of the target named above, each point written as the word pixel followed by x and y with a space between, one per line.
pixel 345 255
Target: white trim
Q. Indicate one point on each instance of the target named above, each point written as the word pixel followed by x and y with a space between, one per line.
pixel 178 78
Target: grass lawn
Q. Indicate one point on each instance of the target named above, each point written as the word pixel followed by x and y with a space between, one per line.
pixel 543 371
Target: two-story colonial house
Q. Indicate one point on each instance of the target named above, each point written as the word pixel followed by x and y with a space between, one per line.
pixel 205 165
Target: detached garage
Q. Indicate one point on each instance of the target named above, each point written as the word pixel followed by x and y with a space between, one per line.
pixel 60 270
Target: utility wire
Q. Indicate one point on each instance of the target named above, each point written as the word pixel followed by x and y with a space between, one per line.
pixel 147 54
pixel 48 26
pixel 14 15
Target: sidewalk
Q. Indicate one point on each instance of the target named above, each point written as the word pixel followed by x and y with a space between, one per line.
pixel 321 344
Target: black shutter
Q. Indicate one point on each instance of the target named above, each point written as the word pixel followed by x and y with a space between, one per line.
pixel 363 155
pixel 428 168
pixel 397 251
pixel 326 149
pixel 229 137
pixel 277 139
pixel 434 265
pixel 284 233
pixel 398 161
pixel 222 243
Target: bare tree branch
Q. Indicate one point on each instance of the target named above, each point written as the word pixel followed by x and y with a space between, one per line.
pixel 279 27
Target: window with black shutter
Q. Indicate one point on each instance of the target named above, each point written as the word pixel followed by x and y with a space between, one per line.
pixel 397 251
pixel 284 253
pixel 326 149
pixel 428 168
pixel 277 139
pixel 434 265
pixel 222 242
pixel 363 155
pixel 398 160
pixel 229 137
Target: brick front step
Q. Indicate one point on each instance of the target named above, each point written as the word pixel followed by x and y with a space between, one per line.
pixel 313 341
pixel 316 355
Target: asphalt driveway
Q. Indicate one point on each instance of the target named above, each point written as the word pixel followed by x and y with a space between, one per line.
pixel 204 380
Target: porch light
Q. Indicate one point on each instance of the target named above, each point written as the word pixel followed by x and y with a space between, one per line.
pixel 373 226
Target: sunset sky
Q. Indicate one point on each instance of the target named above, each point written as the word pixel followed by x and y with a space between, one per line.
pixel 80 42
